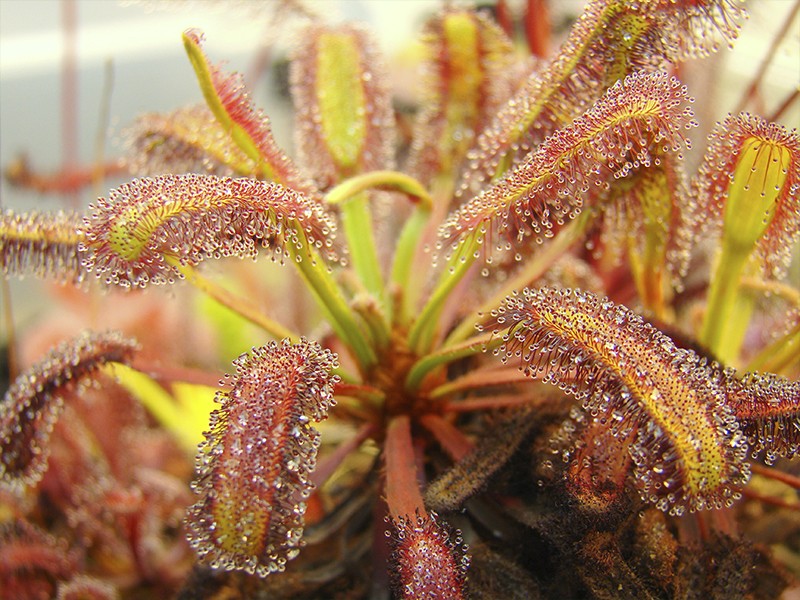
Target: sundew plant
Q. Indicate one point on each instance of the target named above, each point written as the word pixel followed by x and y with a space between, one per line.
pixel 514 343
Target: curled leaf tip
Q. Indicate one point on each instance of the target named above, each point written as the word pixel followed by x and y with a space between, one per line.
pixel 748 187
pixel 248 127
pixel 254 466
pixel 36 398
pixel 131 235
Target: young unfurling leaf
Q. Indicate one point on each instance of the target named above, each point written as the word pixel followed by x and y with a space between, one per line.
pixel 41 245
pixel 749 187
pixel 249 127
pixel 687 448
pixel 254 466
pixel 572 167
pixel 129 235
pixel 35 399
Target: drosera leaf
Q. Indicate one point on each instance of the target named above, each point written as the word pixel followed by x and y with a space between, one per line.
pixel 35 400
pixel 249 127
pixel 572 167
pixel 344 120
pixel 688 450
pixel 345 127
pixel 130 235
pixel 254 467
pixel 748 188
pixel 768 409
pixel 187 140
pixel 747 191
pixel 466 77
pixel 470 474
pixel 41 245
pixel 429 561
pixel 611 40
pixel 645 214
pixel 570 170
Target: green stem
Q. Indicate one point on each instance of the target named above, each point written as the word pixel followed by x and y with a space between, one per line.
pixel 430 362
pixel 331 299
pixel 727 312
pixel 237 304
pixel 403 264
pixel 532 270
pixel 379 179
pixel 417 234
pixel 424 328
pixel 358 227
pixel 357 222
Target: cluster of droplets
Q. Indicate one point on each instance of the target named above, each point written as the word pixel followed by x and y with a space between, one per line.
pixel 41 245
pixel 191 218
pixel 188 140
pixel 652 203
pixel 326 159
pixel 254 466
pixel 701 26
pixel 686 446
pixel 597 460
pixel 35 399
pixel 429 562
pixel 573 167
